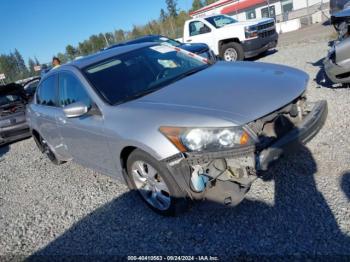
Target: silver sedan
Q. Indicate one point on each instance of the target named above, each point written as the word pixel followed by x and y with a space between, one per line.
pixel 174 126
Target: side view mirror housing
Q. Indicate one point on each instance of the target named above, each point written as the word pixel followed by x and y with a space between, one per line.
pixel 75 110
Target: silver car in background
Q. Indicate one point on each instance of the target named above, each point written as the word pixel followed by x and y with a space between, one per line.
pixel 174 126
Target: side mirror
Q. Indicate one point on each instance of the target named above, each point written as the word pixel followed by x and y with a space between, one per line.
pixel 75 110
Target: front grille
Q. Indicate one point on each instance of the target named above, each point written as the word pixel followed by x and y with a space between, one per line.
pixel 265 26
pixel 267 33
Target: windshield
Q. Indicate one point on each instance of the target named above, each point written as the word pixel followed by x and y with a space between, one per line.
pixel 8 99
pixel 169 41
pixel 220 20
pixel 137 73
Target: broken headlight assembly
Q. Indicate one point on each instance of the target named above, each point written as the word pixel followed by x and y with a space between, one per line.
pixel 206 139
pixel 332 55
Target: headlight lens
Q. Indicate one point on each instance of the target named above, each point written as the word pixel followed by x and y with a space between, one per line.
pixel 206 139
pixel 251 31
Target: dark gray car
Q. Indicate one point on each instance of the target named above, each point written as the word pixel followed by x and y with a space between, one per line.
pixel 13 124
pixel 176 128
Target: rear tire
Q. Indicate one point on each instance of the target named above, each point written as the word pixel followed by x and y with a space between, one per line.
pixel 155 185
pixel 231 52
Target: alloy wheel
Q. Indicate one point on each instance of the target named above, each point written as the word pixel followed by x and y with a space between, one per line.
pixel 151 185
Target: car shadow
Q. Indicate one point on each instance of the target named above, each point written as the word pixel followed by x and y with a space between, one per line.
pixel 345 184
pixel 3 150
pixel 321 78
pixel 296 222
pixel 262 55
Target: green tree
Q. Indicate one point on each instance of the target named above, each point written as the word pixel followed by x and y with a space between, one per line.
pixel 110 38
pixel 31 64
pixel 62 57
pixel 172 7
pixel 71 52
pixel 136 31
pixel 163 16
pixel 196 4
pixel 22 70
pixel 36 61
pixel 119 35
pixel 209 2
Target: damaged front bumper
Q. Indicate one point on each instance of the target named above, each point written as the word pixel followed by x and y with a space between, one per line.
pixel 225 177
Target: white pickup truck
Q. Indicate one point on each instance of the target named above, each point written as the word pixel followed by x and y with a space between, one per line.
pixel 229 39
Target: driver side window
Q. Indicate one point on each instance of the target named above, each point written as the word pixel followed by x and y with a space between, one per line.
pixel 71 90
pixel 198 28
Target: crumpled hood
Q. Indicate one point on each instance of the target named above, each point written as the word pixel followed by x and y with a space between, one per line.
pixel 241 91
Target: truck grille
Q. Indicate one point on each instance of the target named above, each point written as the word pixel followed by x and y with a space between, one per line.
pixel 265 26
pixel 267 33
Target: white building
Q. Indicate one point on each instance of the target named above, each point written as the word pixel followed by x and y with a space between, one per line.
pixel 253 9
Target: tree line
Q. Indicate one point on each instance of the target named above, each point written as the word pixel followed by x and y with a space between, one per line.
pixel 169 23
pixel 14 67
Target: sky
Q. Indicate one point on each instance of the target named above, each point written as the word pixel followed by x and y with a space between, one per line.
pixel 42 28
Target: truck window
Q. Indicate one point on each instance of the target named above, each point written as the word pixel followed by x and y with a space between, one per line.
pixel 250 14
pixel 220 20
pixel 198 28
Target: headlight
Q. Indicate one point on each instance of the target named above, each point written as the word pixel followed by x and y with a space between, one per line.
pixel 206 139
pixel 251 31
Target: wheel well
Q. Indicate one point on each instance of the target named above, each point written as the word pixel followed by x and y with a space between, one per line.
pixel 37 140
pixel 36 135
pixel 125 154
pixel 226 41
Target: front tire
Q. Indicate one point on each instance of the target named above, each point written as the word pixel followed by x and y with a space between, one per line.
pixel 154 183
pixel 44 148
pixel 231 52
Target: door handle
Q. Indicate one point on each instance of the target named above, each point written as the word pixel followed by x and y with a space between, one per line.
pixel 189 40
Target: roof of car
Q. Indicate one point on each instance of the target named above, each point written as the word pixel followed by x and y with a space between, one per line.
pixel 105 54
pixel 140 39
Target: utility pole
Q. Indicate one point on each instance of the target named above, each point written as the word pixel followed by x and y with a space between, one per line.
pixel 104 35
pixel 307 12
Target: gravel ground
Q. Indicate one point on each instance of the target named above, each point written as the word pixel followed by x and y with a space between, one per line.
pixel 300 208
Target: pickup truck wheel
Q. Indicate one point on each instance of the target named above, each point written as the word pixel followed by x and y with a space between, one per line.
pixel 156 186
pixel 232 52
